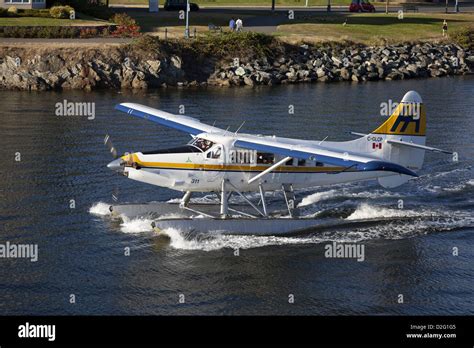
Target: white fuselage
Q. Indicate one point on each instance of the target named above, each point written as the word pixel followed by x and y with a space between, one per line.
pixel 199 170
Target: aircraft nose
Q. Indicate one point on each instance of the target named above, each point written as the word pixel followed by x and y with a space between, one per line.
pixel 116 165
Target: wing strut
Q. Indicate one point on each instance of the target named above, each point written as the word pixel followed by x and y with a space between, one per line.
pixel 268 170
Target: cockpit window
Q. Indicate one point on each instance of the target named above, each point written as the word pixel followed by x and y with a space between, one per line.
pixel 201 144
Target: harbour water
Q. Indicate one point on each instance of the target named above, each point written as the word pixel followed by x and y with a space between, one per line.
pixel 56 196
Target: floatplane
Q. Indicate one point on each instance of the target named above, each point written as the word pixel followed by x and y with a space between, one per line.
pixel 234 163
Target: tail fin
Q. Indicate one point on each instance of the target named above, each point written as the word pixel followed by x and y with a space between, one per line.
pixel 406 124
pixel 408 119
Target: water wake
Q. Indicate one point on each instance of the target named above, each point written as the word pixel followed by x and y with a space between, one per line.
pixel 100 208
pixel 136 225
pixel 179 240
pixel 366 211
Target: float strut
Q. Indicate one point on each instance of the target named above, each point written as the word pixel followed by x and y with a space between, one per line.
pixel 185 200
pixel 224 205
pixel 262 197
pixel 289 195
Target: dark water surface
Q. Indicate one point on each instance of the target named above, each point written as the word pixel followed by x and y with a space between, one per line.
pixel 82 252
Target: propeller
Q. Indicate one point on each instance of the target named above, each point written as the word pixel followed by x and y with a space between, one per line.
pixel 116 165
pixel 115 194
pixel 110 145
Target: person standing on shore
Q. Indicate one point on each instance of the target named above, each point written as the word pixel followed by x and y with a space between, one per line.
pixel 239 25
pixel 232 24
pixel 445 28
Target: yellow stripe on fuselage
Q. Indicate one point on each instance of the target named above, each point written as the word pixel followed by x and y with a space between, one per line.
pixel 232 167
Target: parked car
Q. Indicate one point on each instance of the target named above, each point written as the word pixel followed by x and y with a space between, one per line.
pixel 361 6
pixel 178 5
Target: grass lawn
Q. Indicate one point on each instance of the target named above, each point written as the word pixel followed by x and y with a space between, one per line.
pixel 150 22
pixel 40 21
pixel 364 28
pixel 372 28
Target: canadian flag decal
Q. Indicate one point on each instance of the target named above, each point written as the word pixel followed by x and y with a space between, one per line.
pixel 377 146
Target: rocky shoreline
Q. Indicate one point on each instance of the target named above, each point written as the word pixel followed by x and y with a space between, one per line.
pixel 28 68
pixel 351 64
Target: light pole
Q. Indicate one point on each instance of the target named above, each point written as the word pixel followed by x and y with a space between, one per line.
pixel 386 6
pixel 186 32
pixel 456 6
pixel 329 5
pixel 446 6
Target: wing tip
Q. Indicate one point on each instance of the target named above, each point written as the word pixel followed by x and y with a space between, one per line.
pixel 120 106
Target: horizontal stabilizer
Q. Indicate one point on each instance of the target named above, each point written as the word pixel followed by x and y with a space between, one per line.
pixel 416 146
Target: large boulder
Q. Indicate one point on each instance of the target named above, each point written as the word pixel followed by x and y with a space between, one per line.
pixel 240 71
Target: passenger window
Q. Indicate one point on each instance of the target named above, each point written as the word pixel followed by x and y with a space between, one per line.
pixel 265 158
pixel 301 162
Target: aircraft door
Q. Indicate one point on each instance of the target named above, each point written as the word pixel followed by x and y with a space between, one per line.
pixel 214 159
pixel 215 154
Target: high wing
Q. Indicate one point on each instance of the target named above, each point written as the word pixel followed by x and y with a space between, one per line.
pixel 286 147
pixel 183 123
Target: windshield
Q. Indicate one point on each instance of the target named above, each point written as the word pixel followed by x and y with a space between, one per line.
pixel 201 144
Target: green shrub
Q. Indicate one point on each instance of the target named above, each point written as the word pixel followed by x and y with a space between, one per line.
pixel 235 44
pixel 25 13
pixel 34 13
pixel 105 32
pixel 60 11
pixel 123 19
pixel 40 32
pixel 12 10
pixel 51 32
pixel 126 26
pixel 221 46
pixel 93 8
pixel 464 37
pixel 148 43
pixel 86 33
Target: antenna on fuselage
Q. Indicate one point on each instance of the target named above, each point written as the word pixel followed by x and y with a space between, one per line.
pixel 323 140
pixel 239 128
pixel 225 133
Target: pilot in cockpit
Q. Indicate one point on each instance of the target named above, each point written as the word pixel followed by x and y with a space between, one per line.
pixel 207 145
pixel 203 144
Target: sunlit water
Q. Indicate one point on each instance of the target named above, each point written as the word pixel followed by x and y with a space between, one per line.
pixel 408 251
